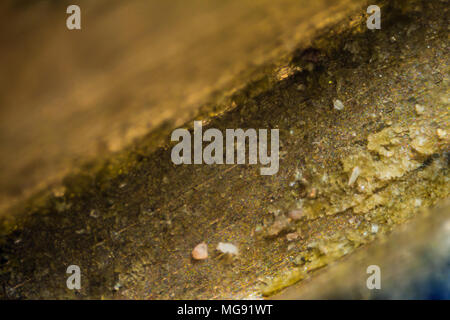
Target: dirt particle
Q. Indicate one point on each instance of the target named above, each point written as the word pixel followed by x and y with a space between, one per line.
pixel 338 105
pixel 281 223
pixel 200 251
pixel 227 248
pixel 296 214
pixel 259 228
pixel 355 174
pixel 374 228
pixel 312 193
pixel 292 236
pixel 93 213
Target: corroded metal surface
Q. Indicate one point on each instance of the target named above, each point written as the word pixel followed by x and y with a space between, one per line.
pixel 413 261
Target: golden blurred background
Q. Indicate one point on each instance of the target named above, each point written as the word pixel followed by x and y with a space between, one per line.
pixel 68 96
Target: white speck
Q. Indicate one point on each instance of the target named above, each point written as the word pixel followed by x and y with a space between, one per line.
pixel 298 174
pixel 419 109
pixel 421 140
pixel 355 174
pixel 299 203
pixel 338 105
pixel 374 228
pixel 441 133
pixel 227 248
pixel 417 202
pixel 259 228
